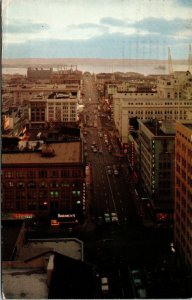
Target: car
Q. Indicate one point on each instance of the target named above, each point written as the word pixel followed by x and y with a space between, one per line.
pixel 107 217
pixel 142 294
pixel 136 277
pixel 109 172
pixel 137 281
pixel 99 220
pixel 114 217
pixel 104 285
pixel 116 173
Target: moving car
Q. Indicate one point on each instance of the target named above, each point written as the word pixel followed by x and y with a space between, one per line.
pixel 107 218
pixel 114 217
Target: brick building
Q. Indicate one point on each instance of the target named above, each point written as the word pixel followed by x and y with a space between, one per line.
pixel 183 193
pixel 44 179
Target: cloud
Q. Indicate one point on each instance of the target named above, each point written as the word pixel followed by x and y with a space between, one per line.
pixel 187 3
pixel 163 26
pixel 115 45
pixel 112 21
pixel 16 27
pixel 85 26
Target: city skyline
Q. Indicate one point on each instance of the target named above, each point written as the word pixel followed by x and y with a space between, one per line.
pixel 102 29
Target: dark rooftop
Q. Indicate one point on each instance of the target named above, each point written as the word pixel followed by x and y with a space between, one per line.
pixel 161 129
pixel 71 279
pixel 10 232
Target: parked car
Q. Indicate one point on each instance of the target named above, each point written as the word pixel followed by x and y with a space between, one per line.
pixel 99 220
pixel 107 217
pixel 114 217
pixel 104 284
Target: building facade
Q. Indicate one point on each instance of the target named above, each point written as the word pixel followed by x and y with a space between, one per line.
pixel 57 107
pixel 25 92
pixel 183 191
pixel 39 73
pixel 43 180
pixel 157 166
pixel 171 101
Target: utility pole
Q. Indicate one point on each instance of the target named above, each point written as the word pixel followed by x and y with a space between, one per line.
pixel 190 59
pixel 170 65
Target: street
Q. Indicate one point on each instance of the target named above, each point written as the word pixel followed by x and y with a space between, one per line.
pixel 118 240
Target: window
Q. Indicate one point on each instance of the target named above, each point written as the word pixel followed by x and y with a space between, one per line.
pixel 54 194
pixel 20 185
pixel 31 174
pixel 54 173
pixel 43 185
pixel 8 174
pixel 65 173
pixel 20 174
pixel 54 184
pixel 43 174
pixel 32 184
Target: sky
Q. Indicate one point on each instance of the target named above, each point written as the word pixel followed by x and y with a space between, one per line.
pixel 113 29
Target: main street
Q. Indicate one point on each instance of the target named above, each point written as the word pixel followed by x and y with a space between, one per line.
pixel 111 192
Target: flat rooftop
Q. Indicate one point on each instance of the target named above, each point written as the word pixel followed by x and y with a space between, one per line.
pixel 161 129
pixel 70 247
pixel 188 125
pixel 25 284
pixel 69 152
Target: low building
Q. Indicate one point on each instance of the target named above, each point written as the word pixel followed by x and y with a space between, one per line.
pixel 43 268
pixel 157 166
pixel 39 73
pixel 183 191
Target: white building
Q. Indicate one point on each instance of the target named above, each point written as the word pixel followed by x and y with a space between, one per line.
pixel 26 92
pixel 171 101
pixel 57 107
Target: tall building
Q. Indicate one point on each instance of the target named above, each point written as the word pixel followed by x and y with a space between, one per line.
pixel 183 192
pixel 42 179
pixel 157 166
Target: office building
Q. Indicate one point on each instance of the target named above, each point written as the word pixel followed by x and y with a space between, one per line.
pixel 183 191
pixel 172 100
pixel 57 107
pixel 157 166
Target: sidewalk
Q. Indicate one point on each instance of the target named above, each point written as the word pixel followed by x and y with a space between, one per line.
pixel 89 224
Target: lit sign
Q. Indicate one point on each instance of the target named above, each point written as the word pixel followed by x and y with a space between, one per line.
pixel 66 216
pixel 17 216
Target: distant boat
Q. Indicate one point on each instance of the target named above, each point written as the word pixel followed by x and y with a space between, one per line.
pixel 160 67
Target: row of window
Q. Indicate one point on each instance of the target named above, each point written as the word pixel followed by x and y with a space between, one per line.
pixel 64 173
pixel 160 103
pixel 40 205
pixel 9 194
pixel 43 185
pixel 186 138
